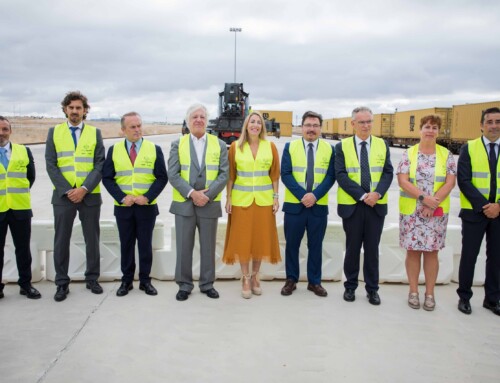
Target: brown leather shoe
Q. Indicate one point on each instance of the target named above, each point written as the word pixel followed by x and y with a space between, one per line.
pixel 317 289
pixel 290 285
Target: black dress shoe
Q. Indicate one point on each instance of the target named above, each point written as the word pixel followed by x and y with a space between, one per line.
pixel 493 306
pixel 94 286
pixel 30 292
pixel 212 293
pixel 148 288
pixel 464 306
pixel 182 295
pixel 289 287
pixel 124 288
pixel 349 295
pixel 1 294
pixel 373 298
pixel 61 293
pixel 317 289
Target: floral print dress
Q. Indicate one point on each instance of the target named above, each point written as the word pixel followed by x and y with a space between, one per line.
pixel 417 232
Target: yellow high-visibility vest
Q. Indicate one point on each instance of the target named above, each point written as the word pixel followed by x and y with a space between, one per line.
pixel 134 179
pixel 299 167
pixel 76 163
pixel 481 175
pixel 212 160
pixel 252 176
pixel 14 184
pixel 378 152
pixel 407 204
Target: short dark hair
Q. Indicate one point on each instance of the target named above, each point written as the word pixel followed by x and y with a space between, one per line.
pixel 2 118
pixel 488 111
pixel 432 118
pixel 129 114
pixel 74 96
pixel 311 114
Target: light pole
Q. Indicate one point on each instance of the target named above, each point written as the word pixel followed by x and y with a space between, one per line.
pixel 235 30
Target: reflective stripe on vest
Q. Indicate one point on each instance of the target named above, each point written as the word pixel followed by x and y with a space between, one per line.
pixel 407 204
pixel 212 160
pixel 14 184
pixel 134 179
pixel 299 166
pixel 378 152
pixel 75 164
pixel 480 172
pixel 252 176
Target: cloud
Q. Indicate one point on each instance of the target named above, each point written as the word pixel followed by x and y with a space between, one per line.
pixel 158 57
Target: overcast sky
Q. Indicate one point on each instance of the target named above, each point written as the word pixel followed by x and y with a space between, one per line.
pixel 159 56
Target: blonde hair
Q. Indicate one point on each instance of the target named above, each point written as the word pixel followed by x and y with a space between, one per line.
pixel 244 135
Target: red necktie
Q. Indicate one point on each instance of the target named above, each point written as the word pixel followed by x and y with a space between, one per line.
pixel 133 154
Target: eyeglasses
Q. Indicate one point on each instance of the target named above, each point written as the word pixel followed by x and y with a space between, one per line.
pixel 368 122
pixel 316 126
pixel 492 122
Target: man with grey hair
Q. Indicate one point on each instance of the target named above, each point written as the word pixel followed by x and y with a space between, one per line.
pixel 135 174
pixel 198 170
pixel 364 174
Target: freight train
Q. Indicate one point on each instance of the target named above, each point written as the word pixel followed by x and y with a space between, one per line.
pixel 460 124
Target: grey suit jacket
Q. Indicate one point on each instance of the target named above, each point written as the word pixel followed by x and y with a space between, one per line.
pixel 60 183
pixel 197 181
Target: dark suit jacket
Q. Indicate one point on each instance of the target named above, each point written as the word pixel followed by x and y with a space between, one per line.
pixel 60 183
pixel 197 180
pixel 298 191
pixel 464 179
pixel 354 189
pixel 31 175
pixel 145 211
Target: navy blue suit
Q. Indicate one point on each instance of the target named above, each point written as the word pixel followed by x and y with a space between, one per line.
pixel 135 222
pixel 475 225
pixel 362 224
pixel 298 219
pixel 19 222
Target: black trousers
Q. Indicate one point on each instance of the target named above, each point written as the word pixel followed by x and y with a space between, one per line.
pixel 472 236
pixel 21 234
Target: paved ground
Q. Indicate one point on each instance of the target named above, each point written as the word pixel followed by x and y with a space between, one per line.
pixel 302 338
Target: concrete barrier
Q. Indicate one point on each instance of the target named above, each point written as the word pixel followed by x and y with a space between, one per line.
pixel 392 257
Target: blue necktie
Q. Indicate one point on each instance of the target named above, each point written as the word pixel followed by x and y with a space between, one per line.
pixel 365 168
pixel 493 172
pixel 3 158
pixel 310 168
pixel 73 134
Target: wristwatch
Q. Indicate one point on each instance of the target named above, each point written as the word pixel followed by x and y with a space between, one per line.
pixel 421 197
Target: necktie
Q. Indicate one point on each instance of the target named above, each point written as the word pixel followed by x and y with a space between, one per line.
pixel 310 168
pixel 133 153
pixel 3 158
pixel 73 134
pixel 365 168
pixel 493 168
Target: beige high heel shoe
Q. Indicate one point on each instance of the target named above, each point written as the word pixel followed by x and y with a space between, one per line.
pixel 256 290
pixel 247 294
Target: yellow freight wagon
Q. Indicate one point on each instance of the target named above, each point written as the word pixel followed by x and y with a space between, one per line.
pixel 345 127
pixel 284 118
pixel 466 123
pixel 407 125
pixel 330 128
pixel 383 124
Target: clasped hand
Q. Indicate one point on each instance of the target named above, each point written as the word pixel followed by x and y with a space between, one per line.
pixel 76 195
pixel 199 197
pixel 129 200
pixel 491 210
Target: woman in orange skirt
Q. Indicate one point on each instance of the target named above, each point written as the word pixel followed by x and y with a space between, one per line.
pixel 252 202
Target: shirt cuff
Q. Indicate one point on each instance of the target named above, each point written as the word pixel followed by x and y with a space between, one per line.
pixel 189 193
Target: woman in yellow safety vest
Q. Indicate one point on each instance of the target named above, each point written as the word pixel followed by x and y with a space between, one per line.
pixel 426 176
pixel 252 202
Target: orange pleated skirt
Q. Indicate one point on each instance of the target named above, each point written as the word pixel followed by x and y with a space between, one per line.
pixel 251 235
